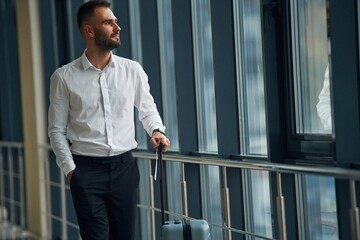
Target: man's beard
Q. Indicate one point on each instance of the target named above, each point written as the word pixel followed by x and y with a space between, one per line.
pixel 105 43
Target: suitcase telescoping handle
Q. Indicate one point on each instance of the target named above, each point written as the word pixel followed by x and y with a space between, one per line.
pixel 159 156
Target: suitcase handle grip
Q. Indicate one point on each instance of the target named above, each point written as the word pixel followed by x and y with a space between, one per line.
pixel 159 155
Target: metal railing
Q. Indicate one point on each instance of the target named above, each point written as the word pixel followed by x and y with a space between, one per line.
pixel 11 157
pixel 12 192
pixel 12 153
pixel 279 169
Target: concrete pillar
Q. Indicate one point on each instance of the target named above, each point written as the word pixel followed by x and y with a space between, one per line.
pixel 33 110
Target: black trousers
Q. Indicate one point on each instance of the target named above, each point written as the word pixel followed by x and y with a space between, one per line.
pixel 105 194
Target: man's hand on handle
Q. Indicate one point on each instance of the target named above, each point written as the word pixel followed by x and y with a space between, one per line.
pixel 158 137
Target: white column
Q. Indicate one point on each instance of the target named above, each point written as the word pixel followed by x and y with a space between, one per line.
pixel 33 111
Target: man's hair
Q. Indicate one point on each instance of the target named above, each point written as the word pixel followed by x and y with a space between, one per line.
pixel 87 10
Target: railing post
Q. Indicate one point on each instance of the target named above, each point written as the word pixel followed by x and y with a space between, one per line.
pixel 354 212
pixel 281 210
pixel 63 205
pixel 22 188
pixel 11 187
pixel 226 205
pixel 2 187
pixel 184 191
pixel 47 184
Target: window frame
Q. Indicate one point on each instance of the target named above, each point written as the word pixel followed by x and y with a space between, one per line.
pixel 301 147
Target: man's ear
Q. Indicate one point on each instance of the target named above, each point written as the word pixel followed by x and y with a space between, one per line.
pixel 88 30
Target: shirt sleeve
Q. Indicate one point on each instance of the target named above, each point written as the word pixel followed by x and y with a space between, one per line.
pixel 58 118
pixel 324 104
pixel 144 102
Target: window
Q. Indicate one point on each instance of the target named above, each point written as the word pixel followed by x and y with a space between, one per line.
pixel 249 58
pixel 252 120
pixel 136 52
pixel 169 100
pixel 204 76
pixel 168 71
pixel 318 213
pixel 310 61
pixel 141 135
pixel 257 207
pixel 206 110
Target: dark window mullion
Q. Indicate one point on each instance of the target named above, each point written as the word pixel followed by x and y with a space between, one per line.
pixel 274 86
pixel 275 59
pixel 185 78
pixel 225 78
pixel 186 100
pixel 345 95
pixel 150 48
pixel 345 81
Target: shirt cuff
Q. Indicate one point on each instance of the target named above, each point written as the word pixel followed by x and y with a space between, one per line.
pixel 158 130
pixel 68 167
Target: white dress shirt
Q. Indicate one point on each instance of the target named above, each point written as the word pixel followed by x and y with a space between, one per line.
pixel 94 109
pixel 324 104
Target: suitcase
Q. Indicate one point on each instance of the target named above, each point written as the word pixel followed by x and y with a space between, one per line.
pixel 184 229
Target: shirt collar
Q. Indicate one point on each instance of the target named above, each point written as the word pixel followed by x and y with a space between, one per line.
pixel 87 64
pixel 111 62
pixel 85 61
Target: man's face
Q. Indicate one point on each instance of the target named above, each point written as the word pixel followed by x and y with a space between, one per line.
pixel 106 30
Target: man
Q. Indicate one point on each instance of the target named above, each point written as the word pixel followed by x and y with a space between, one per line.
pixel 91 127
pixel 324 105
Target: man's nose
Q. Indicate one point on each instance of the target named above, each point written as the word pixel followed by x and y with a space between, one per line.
pixel 117 27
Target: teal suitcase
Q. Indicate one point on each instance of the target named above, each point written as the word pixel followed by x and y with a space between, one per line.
pixel 194 229
pixel 184 229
